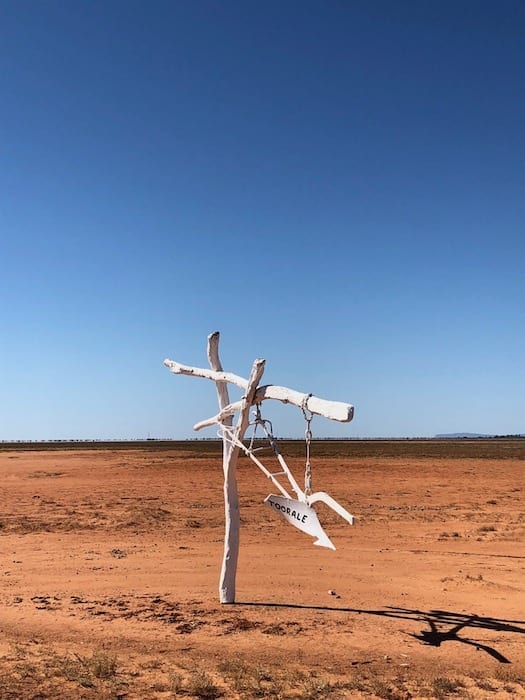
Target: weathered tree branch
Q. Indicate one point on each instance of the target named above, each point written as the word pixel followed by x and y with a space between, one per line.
pixel 215 364
pixel 334 410
pixel 231 493
pixel 215 376
pixel 231 499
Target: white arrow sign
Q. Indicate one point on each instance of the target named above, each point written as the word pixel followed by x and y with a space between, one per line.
pixel 301 516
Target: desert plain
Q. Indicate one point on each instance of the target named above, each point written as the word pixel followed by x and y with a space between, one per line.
pixel 110 561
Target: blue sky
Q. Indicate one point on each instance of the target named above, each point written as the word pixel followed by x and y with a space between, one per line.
pixel 337 187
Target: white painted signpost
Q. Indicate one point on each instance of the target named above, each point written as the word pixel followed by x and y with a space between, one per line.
pixel 297 511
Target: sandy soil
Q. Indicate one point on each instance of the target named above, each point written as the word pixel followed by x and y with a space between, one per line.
pixel 110 563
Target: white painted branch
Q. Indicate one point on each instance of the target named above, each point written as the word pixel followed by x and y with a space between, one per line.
pixel 334 410
pixel 221 417
pixel 248 399
pixel 215 376
pixel 231 499
pixel 232 518
pixel 215 364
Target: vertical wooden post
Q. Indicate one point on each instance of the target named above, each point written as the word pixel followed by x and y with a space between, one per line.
pixel 230 454
pixel 231 493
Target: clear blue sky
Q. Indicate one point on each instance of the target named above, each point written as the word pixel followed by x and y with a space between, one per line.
pixel 338 187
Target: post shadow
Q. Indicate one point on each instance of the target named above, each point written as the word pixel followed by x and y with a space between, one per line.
pixel 437 620
pixel 435 638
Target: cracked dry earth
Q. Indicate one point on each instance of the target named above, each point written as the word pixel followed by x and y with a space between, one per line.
pixel 110 562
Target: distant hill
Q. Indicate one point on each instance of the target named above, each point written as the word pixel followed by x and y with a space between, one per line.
pixel 457 436
pixel 462 435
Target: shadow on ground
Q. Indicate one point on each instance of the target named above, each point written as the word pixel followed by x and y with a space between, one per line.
pixel 444 625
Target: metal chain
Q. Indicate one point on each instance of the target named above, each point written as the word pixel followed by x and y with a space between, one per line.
pixel 308 440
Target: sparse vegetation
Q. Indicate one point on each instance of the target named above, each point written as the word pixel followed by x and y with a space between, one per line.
pixel 175 682
pixel 313 688
pixel 479 577
pixel 254 680
pixel 103 665
pixel 443 687
pixel 485 685
pixel 507 674
pixel 194 524
pixel 100 676
pixel 202 685
pixel 84 670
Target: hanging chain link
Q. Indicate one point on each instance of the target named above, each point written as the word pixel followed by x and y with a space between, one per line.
pixel 308 417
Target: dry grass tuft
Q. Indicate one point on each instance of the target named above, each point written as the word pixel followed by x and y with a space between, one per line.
pixel 442 687
pixel 84 670
pixel 202 685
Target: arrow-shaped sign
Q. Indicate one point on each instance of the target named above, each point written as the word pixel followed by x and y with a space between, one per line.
pixel 301 516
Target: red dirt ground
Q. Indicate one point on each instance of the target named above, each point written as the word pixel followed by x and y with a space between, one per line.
pixel 110 565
